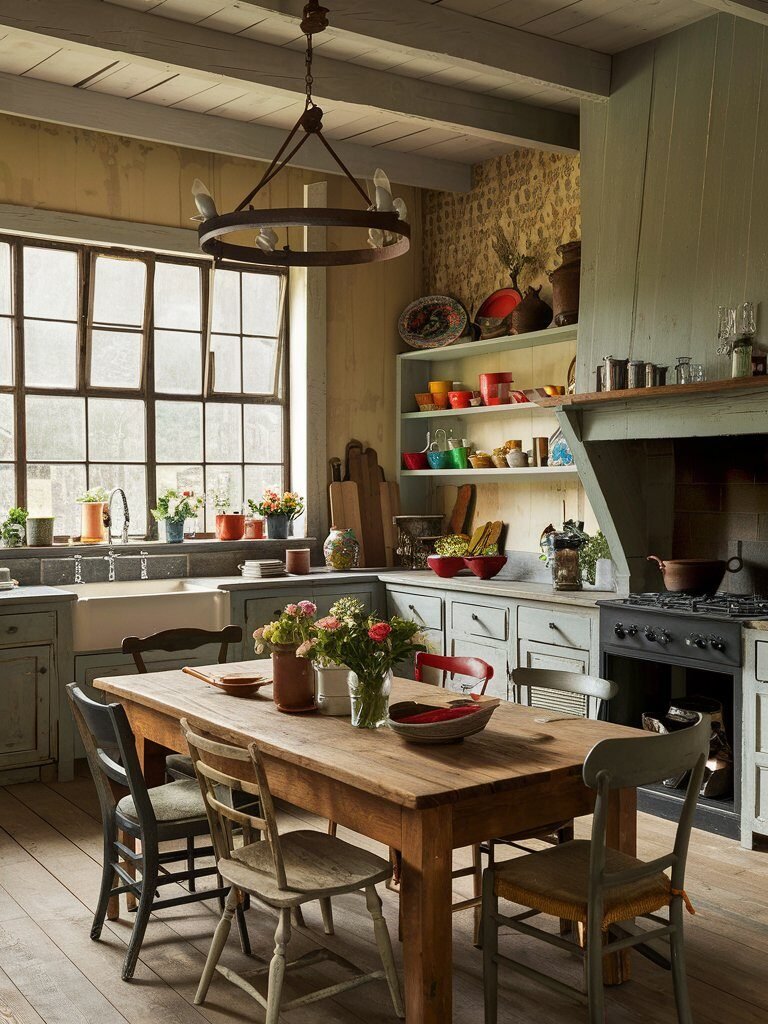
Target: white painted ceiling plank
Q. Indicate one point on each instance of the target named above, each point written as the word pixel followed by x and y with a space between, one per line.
pixel 68 67
pixel 129 80
pixel 19 53
pixel 192 11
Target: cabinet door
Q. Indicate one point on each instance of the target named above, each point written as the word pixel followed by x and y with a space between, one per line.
pixel 494 654
pixel 25 706
pixel 561 659
pixel 261 610
pixel 325 597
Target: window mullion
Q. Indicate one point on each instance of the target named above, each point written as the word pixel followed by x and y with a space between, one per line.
pixel 21 397
pixel 149 395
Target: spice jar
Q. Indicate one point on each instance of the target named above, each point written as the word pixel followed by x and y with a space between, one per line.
pixel 566 572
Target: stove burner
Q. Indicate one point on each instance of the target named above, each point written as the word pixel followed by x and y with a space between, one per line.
pixel 736 606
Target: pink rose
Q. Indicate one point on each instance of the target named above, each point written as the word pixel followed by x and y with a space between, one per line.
pixel 329 623
pixel 379 632
pixel 307 608
pixel 292 609
pixel 305 649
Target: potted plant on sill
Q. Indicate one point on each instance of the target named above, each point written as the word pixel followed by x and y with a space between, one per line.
pixel 229 525
pixel 292 675
pixel 278 512
pixel 174 509
pixel 94 504
pixel 368 648
pixel 13 528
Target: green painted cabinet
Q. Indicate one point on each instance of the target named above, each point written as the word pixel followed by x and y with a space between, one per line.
pixel 27 734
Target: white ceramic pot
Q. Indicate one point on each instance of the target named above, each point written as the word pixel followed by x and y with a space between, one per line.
pixel 332 690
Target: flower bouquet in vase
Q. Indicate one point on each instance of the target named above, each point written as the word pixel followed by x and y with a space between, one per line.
pixel 289 639
pixel 369 647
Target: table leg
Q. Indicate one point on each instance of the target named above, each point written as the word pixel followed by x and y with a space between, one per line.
pixel 621 835
pixel 426 904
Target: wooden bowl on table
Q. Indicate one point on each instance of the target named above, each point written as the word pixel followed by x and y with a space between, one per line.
pixel 451 730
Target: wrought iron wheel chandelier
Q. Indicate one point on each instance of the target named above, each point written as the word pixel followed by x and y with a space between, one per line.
pixel 384 218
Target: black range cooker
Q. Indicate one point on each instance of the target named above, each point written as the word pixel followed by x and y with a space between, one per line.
pixel 663 648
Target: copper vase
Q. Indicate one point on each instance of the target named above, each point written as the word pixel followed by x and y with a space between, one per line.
pixel 565 284
pixel 293 680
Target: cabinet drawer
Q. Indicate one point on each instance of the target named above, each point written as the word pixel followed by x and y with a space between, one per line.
pixel 425 609
pixel 761 660
pixel 325 597
pixel 480 620
pixel 552 626
pixel 22 629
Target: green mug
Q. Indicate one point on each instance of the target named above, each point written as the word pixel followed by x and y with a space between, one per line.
pixel 458 458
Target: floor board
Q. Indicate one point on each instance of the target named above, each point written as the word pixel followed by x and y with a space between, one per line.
pixel 52 973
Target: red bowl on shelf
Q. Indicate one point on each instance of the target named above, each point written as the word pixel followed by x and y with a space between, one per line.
pixel 489 385
pixel 445 566
pixel 485 567
pixel 459 399
pixel 415 460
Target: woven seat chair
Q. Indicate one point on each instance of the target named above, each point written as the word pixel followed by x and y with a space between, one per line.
pixel 601 889
pixel 153 816
pixel 179 766
pixel 283 872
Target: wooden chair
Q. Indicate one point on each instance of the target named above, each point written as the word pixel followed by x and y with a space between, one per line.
pixel 283 871
pixel 152 816
pixel 601 889
pixel 179 766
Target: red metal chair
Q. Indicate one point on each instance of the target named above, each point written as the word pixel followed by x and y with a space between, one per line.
pixel 474 668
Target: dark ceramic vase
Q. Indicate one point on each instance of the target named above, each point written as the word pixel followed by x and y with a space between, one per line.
pixel 293 680
pixel 533 314
pixel 565 285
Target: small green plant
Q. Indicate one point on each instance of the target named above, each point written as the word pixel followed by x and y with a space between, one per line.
pixel 453 546
pixel 13 527
pixel 594 548
pixel 177 507
pixel 94 494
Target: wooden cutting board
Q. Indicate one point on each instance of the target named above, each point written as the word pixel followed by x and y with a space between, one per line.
pixel 390 507
pixel 364 470
pixel 345 512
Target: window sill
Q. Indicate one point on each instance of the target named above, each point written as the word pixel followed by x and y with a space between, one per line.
pixel 157 547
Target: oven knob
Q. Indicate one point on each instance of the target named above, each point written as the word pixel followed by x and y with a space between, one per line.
pixel 632 630
pixel 696 640
pixel 650 634
pixel 664 637
pixel 618 629
pixel 717 643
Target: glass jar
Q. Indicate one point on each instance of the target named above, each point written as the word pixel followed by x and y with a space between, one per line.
pixel 566 571
pixel 683 370
pixel 741 357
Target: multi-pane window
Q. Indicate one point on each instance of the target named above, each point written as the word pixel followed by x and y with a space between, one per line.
pixel 137 371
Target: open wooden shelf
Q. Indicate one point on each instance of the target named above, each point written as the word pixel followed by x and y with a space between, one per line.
pixel 509 343
pixel 510 409
pixel 730 387
pixel 506 476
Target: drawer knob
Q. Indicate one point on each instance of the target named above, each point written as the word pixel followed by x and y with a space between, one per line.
pixel 43 670
pixel 553 625
pixel 475 618
pixel 13 629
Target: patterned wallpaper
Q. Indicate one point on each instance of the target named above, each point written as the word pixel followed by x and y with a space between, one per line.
pixel 534 195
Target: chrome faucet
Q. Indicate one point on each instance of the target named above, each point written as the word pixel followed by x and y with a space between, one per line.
pixel 126 516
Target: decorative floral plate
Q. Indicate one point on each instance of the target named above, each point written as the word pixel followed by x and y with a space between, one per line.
pixel 433 321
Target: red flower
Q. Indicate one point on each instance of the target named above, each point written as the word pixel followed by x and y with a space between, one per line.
pixel 380 632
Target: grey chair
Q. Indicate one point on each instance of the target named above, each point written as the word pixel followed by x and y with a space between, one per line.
pixel 602 889
pixel 284 872
pixel 153 816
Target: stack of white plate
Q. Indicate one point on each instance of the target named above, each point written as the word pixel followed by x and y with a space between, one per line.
pixel 261 569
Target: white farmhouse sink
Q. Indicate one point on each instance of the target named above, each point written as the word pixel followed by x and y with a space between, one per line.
pixel 105 613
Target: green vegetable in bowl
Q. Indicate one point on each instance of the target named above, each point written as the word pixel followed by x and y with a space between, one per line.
pixel 453 546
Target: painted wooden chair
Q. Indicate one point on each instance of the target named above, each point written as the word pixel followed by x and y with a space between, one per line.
pixel 600 889
pixel 179 766
pixel 152 816
pixel 283 871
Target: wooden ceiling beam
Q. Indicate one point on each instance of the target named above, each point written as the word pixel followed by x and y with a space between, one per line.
pixel 421 29
pixel 174 46
pixel 62 104
pixel 752 10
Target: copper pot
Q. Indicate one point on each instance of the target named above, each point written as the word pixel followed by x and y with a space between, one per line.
pixel 694 575
pixel 293 680
pixel 565 285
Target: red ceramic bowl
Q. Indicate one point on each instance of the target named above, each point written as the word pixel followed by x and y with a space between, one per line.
pixel 459 399
pixel 489 385
pixel 445 566
pixel 415 460
pixel 485 567
pixel 440 399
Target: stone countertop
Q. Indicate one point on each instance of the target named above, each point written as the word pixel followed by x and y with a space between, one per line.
pixel 30 595
pixel 500 588
pixel 315 575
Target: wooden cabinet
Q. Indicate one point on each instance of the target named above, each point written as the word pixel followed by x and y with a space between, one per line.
pixel 560 640
pixel 754 769
pixel 481 629
pixel 26 677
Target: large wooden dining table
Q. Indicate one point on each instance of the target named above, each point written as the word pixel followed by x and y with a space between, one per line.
pixel 426 801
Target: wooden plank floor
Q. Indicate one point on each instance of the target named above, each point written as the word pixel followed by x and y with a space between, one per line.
pixel 51 972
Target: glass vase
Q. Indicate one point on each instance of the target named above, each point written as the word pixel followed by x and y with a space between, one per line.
pixel 369 697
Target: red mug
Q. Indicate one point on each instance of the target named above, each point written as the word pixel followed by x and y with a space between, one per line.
pixel 459 399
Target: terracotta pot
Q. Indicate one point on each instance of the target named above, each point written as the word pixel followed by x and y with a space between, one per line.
pixel 694 575
pixel 230 526
pixel 254 529
pixel 565 285
pixel 533 314
pixel 92 527
pixel 293 680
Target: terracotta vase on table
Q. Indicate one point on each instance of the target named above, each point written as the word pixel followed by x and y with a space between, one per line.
pixel 293 680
